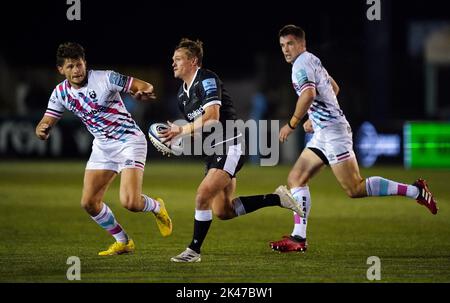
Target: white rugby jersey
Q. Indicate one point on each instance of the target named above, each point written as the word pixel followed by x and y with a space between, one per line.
pixel 308 72
pixel 98 104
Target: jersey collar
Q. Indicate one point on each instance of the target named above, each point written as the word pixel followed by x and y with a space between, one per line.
pixel 186 88
pixel 302 53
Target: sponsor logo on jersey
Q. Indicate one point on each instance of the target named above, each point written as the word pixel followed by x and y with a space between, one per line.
pixel 92 94
pixel 117 79
pixel 95 111
pixel 209 85
pixel 192 115
pixel 301 76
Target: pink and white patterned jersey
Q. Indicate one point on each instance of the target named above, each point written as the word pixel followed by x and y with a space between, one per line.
pixel 98 104
pixel 308 72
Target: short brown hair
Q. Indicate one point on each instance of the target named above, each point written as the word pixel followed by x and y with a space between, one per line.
pixel 293 30
pixel 69 50
pixel 194 49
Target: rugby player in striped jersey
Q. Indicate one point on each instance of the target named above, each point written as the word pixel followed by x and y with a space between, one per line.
pixel 119 146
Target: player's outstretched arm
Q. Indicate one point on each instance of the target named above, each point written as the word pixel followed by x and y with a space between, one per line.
pixel 142 90
pixel 44 126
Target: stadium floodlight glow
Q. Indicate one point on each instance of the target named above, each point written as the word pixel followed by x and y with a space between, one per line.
pixel 426 144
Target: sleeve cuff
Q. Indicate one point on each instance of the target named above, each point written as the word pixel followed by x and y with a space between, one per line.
pixel 212 103
pixel 307 86
pixel 127 87
pixel 53 113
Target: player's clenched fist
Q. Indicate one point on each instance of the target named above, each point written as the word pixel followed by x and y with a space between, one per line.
pixel 285 132
pixel 307 127
pixel 43 131
pixel 142 91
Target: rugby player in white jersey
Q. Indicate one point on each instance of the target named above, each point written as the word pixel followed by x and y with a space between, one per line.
pixel 331 143
pixel 119 146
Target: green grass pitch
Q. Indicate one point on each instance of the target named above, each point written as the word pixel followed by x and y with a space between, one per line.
pixel 42 224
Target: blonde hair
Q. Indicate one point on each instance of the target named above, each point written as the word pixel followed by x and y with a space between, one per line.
pixel 193 48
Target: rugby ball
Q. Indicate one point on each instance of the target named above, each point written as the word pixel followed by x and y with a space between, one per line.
pixel 172 147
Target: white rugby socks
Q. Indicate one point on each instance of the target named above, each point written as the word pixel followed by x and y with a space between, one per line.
pixel 302 196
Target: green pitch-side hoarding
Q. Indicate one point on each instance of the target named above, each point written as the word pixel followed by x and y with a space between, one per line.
pixel 426 144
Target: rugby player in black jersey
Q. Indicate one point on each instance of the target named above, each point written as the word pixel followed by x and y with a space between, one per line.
pixel 204 102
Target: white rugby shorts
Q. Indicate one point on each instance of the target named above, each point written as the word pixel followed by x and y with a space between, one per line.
pixel 118 155
pixel 335 142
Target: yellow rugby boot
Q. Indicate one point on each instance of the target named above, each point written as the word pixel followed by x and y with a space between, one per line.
pixel 163 220
pixel 118 248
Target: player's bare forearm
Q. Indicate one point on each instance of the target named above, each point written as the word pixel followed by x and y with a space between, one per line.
pixel 142 90
pixel 303 103
pixel 209 117
pixel 44 126
pixel 301 108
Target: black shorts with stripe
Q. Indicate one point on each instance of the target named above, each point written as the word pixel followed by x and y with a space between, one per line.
pixel 231 162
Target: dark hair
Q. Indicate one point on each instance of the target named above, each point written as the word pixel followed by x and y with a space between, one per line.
pixel 69 50
pixel 293 30
pixel 194 49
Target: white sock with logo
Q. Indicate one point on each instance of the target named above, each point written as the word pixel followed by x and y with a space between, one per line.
pixel 302 196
